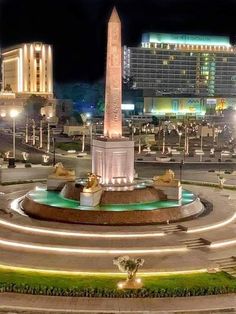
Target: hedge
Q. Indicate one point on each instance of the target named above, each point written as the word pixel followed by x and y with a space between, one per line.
pixel 114 293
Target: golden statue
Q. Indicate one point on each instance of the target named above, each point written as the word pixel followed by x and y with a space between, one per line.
pixel 62 173
pixel 167 178
pixel 92 184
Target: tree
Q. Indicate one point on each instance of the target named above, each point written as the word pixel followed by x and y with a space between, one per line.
pixel 33 105
pixel 155 120
pixel 100 105
pixel 128 265
pixel 77 117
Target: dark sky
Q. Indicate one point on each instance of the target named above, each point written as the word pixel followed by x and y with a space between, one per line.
pixel 77 28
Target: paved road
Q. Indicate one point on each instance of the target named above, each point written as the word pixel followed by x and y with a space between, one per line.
pixel 197 171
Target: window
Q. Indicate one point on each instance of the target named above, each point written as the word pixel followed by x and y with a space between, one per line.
pixel 165 62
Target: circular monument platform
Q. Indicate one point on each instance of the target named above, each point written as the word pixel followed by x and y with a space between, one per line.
pixel 54 206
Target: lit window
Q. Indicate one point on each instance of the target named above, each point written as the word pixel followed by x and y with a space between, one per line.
pixel 165 62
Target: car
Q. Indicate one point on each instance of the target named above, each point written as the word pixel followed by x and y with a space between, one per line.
pixel 228 171
pixel 225 153
pixel 163 159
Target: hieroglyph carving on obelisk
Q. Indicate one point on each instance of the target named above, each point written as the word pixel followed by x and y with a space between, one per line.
pixel 113 93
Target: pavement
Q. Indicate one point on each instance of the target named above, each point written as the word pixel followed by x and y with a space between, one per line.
pixel 17 303
pixel 63 246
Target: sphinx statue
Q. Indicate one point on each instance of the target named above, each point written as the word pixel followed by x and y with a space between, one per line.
pixel 92 183
pixel 167 178
pixel 60 172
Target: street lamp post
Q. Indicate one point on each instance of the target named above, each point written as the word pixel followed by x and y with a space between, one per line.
pixel 13 114
pixel 164 141
pixel 41 134
pixel 180 170
pixel 27 132
pixel 201 145
pixel 48 139
pixel 33 127
pixel 180 134
pixel 186 146
pixel 219 161
pixel 83 142
pixel 54 151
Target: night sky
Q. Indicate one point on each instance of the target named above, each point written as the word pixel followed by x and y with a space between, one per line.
pixel 77 28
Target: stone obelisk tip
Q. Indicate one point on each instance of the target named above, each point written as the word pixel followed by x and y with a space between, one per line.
pixel 114 18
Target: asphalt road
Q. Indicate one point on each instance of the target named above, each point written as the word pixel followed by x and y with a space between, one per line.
pixel 196 171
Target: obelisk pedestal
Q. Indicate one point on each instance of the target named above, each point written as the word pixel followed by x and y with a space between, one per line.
pixel 113 161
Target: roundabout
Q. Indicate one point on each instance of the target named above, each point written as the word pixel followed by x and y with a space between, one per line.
pixel 192 245
pixel 188 255
pixel 63 238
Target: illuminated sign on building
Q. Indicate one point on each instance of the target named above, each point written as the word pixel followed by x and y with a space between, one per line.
pixel 185 39
pixel 211 101
pixel 173 106
pixel 127 106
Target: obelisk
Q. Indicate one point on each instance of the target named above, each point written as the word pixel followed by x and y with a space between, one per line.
pixel 113 97
pixel 112 154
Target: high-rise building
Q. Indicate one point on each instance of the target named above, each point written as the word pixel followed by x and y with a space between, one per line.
pixel 182 65
pixel 27 69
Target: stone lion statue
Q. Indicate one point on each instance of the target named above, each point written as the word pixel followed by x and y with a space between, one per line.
pixel 92 184
pixel 167 177
pixel 62 173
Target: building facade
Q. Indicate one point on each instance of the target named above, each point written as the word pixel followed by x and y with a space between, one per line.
pixel 28 69
pixel 182 66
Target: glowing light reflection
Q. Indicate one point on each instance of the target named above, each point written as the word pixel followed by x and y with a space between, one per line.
pixel 61 249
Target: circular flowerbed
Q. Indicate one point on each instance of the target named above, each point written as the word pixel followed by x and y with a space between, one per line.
pixel 105 285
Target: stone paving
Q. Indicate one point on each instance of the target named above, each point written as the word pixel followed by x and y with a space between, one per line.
pixel 16 303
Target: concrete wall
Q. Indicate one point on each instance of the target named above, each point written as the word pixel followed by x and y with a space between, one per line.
pixel 24 174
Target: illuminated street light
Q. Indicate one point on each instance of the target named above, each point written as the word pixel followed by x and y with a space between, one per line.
pixel 33 127
pixel 41 134
pixel 164 141
pixel 13 114
pixel 48 139
pixel 180 134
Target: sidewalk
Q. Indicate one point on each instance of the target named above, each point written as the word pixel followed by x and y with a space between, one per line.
pixel 45 304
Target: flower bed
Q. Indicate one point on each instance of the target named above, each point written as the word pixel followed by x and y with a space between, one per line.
pixel 43 283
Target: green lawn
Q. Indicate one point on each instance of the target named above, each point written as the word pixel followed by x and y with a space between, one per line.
pixel 69 146
pixel 171 284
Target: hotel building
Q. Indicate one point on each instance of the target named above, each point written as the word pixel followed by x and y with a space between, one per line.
pixel 198 69
pixel 27 69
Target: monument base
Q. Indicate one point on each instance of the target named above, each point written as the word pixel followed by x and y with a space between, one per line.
pixel 113 161
pixel 91 199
